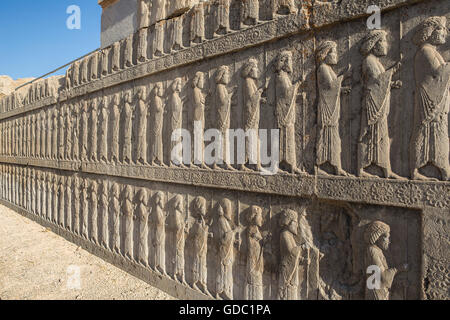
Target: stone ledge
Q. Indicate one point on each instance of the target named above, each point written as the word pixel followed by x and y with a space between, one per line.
pixel 408 194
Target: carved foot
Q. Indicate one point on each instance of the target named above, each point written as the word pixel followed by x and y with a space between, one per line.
pixel 363 174
pixel 341 172
pixel 392 175
pixel 242 167
pixel 417 176
pixel 229 167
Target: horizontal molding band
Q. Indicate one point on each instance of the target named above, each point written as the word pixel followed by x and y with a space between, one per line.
pixel 386 192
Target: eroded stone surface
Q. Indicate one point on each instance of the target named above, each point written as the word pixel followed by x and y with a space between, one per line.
pixel 362 118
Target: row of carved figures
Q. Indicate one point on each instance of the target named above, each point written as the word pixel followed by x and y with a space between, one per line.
pixel 79 130
pixel 34 92
pixel 108 214
pixel 166 37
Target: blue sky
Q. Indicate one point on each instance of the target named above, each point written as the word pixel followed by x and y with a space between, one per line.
pixel 36 40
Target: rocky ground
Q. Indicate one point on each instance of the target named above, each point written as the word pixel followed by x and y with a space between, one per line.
pixel 36 264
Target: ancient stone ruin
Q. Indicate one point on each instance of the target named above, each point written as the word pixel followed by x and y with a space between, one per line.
pixel 363 141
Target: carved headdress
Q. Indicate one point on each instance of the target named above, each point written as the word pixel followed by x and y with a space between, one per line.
pixel 371 40
pixel 287 216
pixel 323 50
pixel 374 231
pixel 220 73
pixel 427 27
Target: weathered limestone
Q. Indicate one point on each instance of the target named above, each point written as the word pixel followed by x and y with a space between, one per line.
pixel 361 182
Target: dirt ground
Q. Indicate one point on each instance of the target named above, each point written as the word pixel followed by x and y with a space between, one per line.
pixel 36 264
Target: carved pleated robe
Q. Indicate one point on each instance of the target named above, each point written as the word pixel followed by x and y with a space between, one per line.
pixel 224 279
pixel 142 213
pixel 374 257
pixel 200 246
pixel 176 122
pixel 141 148
pixel 328 114
pixel 198 24
pixel 223 104
pixel 285 113
pixel 127 132
pixel 289 265
pixel 115 122
pixel 159 238
pixel 156 127
pixel 127 209
pixel 374 144
pixel 255 265
pixel 430 142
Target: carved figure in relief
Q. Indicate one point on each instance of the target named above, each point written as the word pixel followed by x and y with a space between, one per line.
pixel 251 113
pixel 85 208
pixel 226 239
pixel 430 142
pixel 94 66
pixel 330 87
pixel 94 211
pixel 180 228
pixel 103 132
pixel 283 7
pixel 141 116
pixel 291 256
pixel 42 134
pixel 55 187
pixel 84 70
pixel 223 100
pixel 377 238
pixel 104 204
pixel 158 11
pixel 128 52
pixel 76 205
pixel 200 234
pixel 249 12
pixel 84 131
pixel 127 209
pixel 61 201
pixel 144 13
pixel 255 256
pixel 48 192
pixel 32 136
pixel 105 61
pixel 286 110
pixel 68 213
pixel 127 128
pixel 115 59
pixel 76 73
pixel 175 105
pixel 156 125
pixel 221 17
pixel 198 24
pixel 55 134
pixel 69 133
pixel 374 144
pixel 198 101
pixel 93 131
pixel 158 39
pixel 142 45
pixel 142 213
pixel 176 34
pixel 61 136
pixel 76 131
pixel 114 207
pixel 159 236
pixel 115 122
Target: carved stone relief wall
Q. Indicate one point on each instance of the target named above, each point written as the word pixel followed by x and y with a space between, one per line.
pixel 363 151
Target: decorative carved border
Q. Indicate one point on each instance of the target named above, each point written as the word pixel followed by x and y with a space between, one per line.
pixel 408 194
